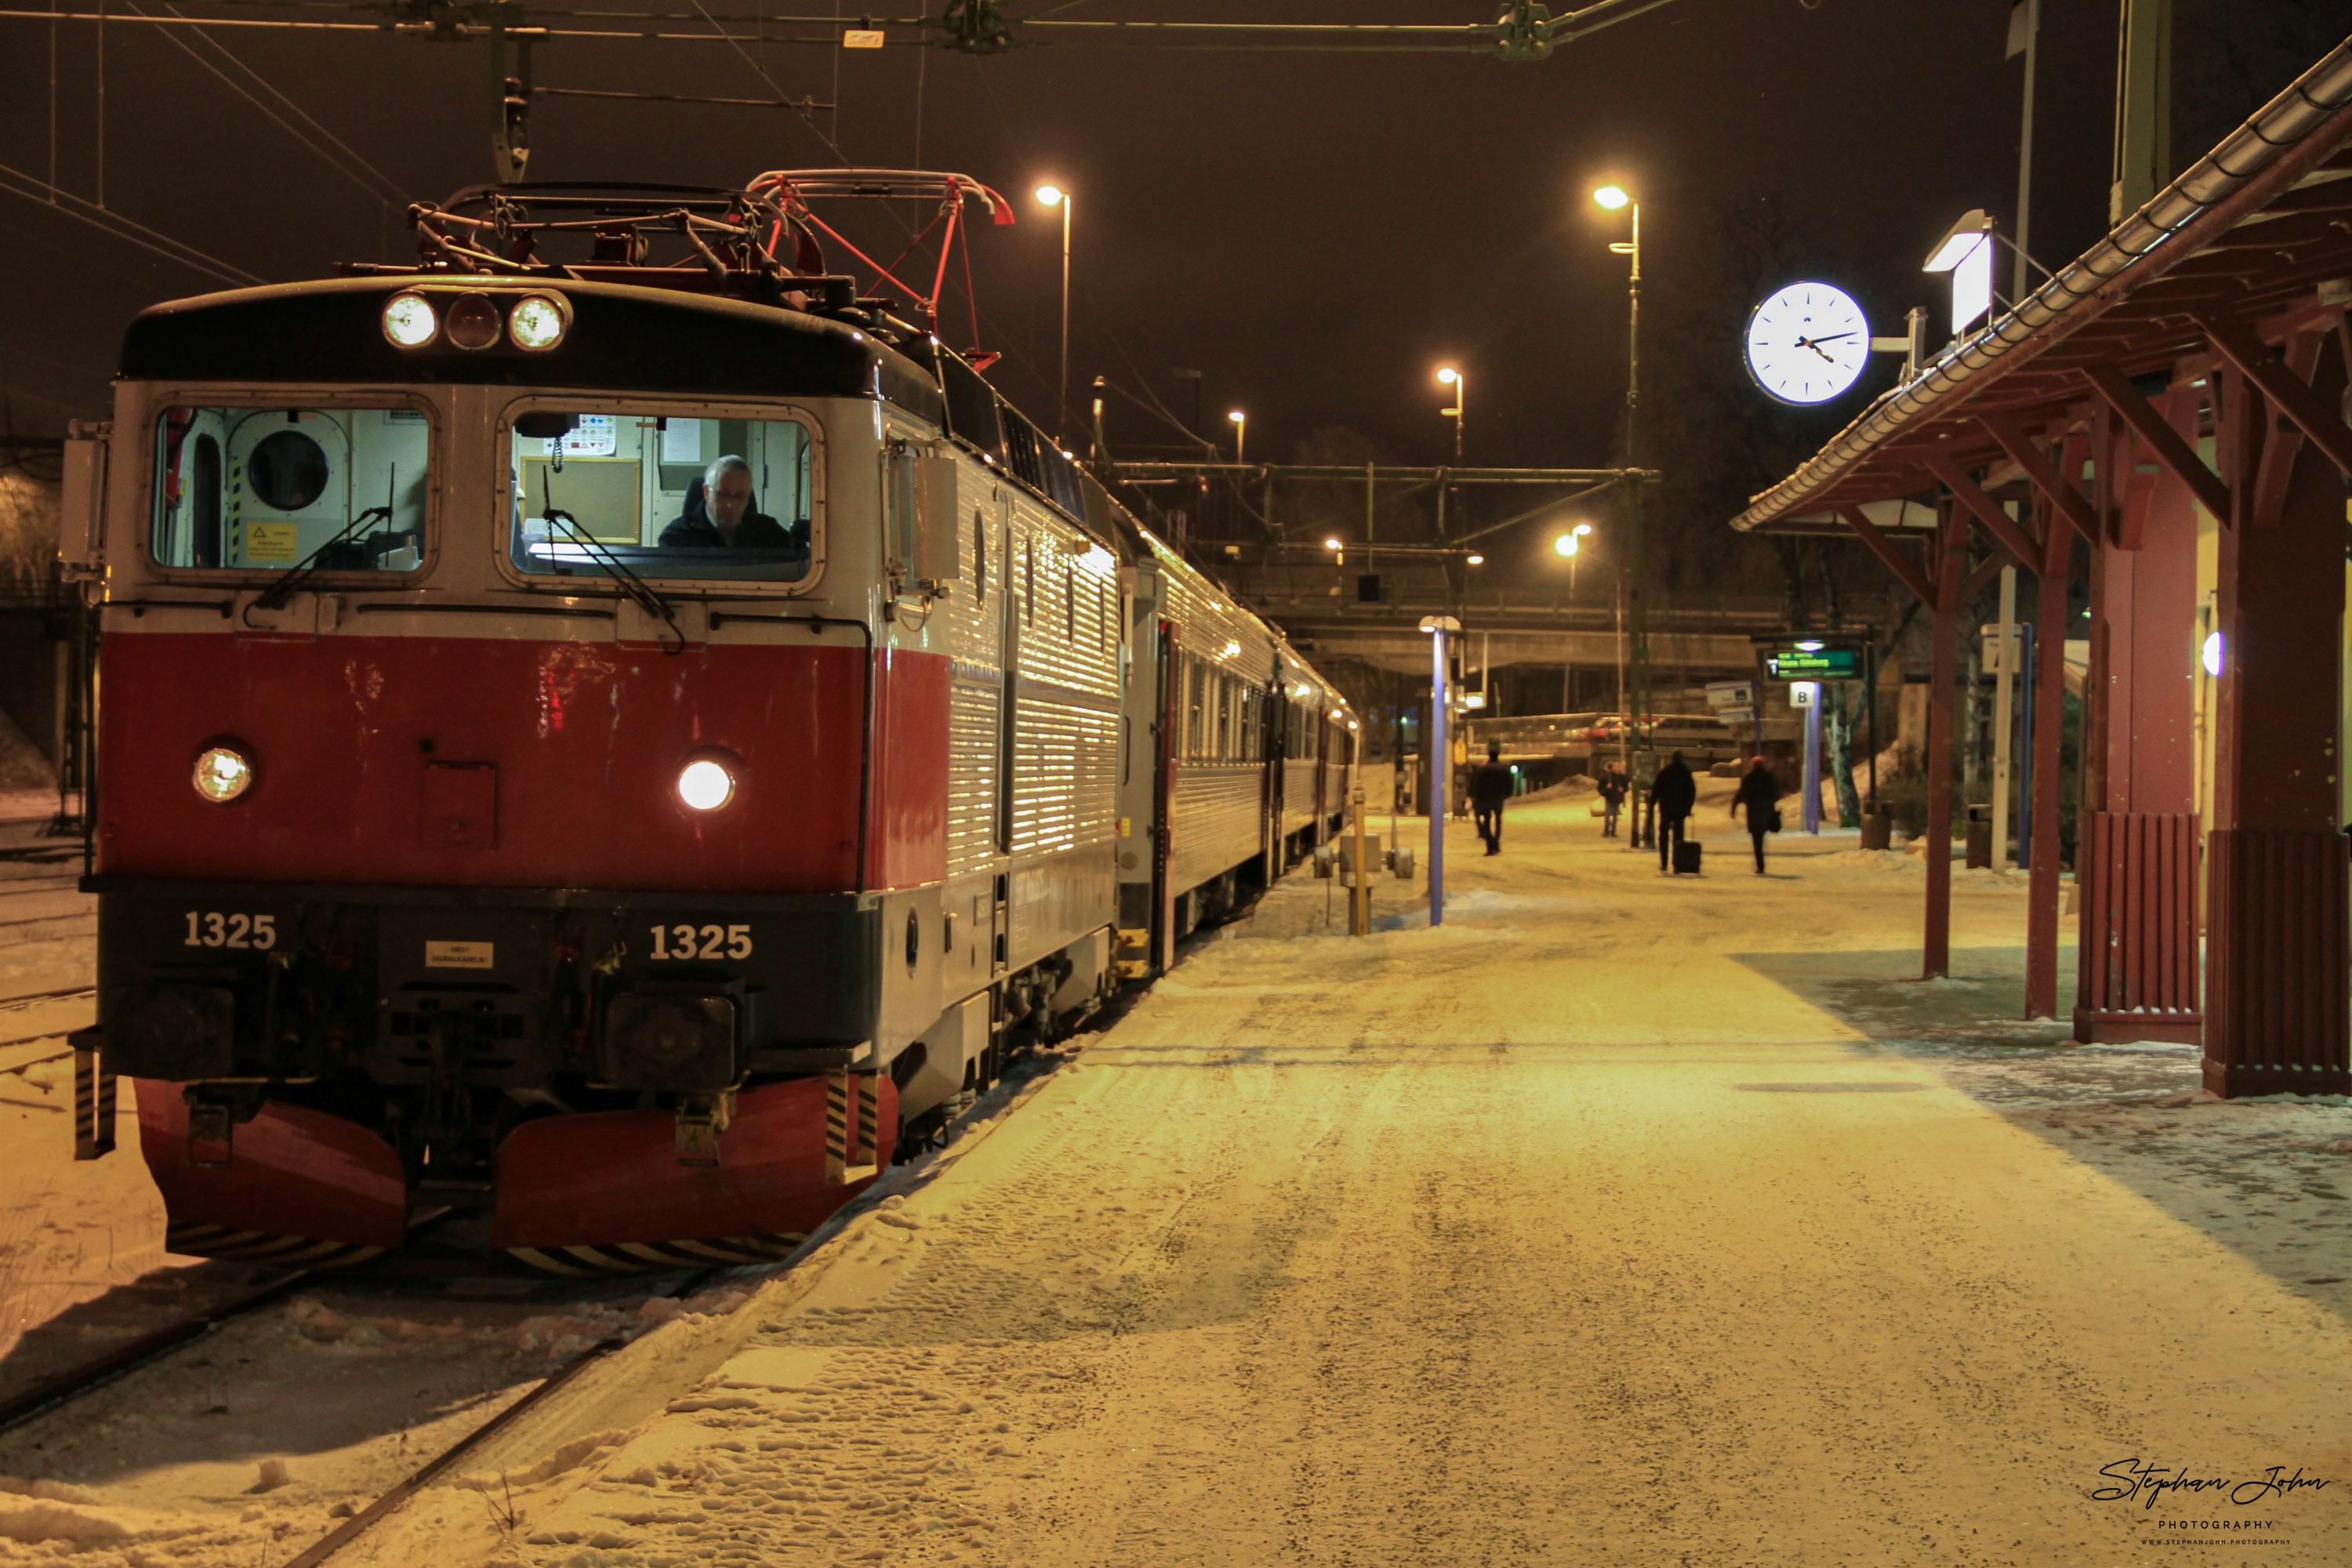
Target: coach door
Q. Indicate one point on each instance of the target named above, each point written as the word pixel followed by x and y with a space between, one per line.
pixel 1163 800
pixel 1324 806
pixel 1272 710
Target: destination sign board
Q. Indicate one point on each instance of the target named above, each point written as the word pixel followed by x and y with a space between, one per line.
pixel 1815 664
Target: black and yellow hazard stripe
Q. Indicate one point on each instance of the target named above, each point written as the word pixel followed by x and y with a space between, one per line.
pixel 190 1239
pixel 643 1256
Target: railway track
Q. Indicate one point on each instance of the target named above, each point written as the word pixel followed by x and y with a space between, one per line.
pixel 54 1395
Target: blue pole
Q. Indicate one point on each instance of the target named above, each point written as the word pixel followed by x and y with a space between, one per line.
pixel 1813 761
pixel 1441 773
pixel 2025 754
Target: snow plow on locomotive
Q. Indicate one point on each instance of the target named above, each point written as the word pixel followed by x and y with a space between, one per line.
pixel 608 746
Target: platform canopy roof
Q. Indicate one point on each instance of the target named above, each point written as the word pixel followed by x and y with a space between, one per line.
pixel 2260 227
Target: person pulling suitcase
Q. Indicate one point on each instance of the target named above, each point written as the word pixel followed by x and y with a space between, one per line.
pixel 1673 797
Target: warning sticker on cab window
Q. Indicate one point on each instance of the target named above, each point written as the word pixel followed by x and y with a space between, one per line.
pixel 269 542
pixel 458 954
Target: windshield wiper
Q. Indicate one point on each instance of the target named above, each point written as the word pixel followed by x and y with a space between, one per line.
pixel 275 597
pixel 636 587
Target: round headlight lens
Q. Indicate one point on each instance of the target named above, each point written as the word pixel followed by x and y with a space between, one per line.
pixel 222 774
pixel 408 321
pixel 474 322
pixel 705 785
pixel 536 322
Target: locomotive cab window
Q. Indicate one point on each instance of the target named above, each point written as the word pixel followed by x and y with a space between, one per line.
pixel 274 489
pixel 608 491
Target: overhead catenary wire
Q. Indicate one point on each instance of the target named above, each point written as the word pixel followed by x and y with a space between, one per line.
pixel 342 158
pixel 1525 38
pixel 17 182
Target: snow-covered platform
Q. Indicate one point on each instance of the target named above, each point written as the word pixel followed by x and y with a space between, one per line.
pixel 1619 1220
pixel 1622 1220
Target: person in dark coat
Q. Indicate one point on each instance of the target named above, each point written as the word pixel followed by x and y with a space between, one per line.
pixel 719 515
pixel 1490 786
pixel 1760 792
pixel 1671 796
pixel 1613 786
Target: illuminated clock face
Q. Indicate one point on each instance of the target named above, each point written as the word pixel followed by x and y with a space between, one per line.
pixel 1807 343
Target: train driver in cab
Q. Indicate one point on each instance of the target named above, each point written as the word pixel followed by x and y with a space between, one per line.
pixel 719 515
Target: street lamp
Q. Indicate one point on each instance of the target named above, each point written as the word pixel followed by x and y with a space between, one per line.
pixel 1571 544
pixel 1241 432
pixel 1616 198
pixel 1055 197
pixel 1449 376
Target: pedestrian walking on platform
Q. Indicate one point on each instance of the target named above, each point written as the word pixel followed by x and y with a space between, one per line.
pixel 1760 792
pixel 1612 797
pixel 1490 785
pixel 1672 797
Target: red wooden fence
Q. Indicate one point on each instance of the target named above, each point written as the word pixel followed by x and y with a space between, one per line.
pixel 2139 960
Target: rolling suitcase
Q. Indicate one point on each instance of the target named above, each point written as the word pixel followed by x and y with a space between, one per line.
pixel 1686 858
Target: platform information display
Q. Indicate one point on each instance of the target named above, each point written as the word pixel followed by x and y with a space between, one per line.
pixel 1815 664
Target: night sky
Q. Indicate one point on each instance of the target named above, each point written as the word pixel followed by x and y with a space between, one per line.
pixel 1314 232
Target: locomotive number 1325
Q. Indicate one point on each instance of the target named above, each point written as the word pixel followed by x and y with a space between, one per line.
pixel 212 927
pixel 701 942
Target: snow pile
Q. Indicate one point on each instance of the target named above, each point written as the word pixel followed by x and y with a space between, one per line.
pixel 1872 859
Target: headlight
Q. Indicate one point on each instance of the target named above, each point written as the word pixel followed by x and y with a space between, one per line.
pixel 474 322
pixel 537 321
pixel 408 321
pixel 222 774
pixel 705 785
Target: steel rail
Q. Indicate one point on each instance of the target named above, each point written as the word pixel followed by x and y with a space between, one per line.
pixel 92 1376
pixel 343 1535
pixel 9 1003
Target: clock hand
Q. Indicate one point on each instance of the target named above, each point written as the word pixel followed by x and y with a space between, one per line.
pixel 1832 338
pixel 1809 343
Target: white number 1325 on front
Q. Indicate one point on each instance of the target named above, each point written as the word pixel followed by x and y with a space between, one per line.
pixel 680 941
pixel 212 927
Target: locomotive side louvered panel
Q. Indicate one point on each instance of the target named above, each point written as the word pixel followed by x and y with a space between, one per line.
pixel 975 611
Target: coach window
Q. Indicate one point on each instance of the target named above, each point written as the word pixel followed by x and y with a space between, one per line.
pixel 271 489
pixel 608 491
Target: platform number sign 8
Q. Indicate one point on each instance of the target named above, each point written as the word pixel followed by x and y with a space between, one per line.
pixel 672 943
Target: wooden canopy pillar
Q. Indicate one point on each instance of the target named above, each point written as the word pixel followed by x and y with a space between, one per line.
pixel 2278 964
pixel 2136 864
pixel 1951 565
pixel 2054 573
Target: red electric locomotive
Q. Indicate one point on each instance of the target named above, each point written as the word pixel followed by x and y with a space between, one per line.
pixel 605 743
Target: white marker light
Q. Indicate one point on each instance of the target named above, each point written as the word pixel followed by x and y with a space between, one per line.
pixel 2212 656
pixel 222 774
pixel 705 785
pixel 537 322
pixel 409 320
pixel 1809 646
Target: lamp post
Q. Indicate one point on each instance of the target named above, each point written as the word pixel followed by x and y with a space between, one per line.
pixel 1614 199
pixel 1241 434
pixel 1441 761
pixel 1571 544
pixel 1055 197
pixel 1449 376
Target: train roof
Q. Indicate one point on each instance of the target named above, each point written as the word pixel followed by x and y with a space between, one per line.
pixel 622 337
